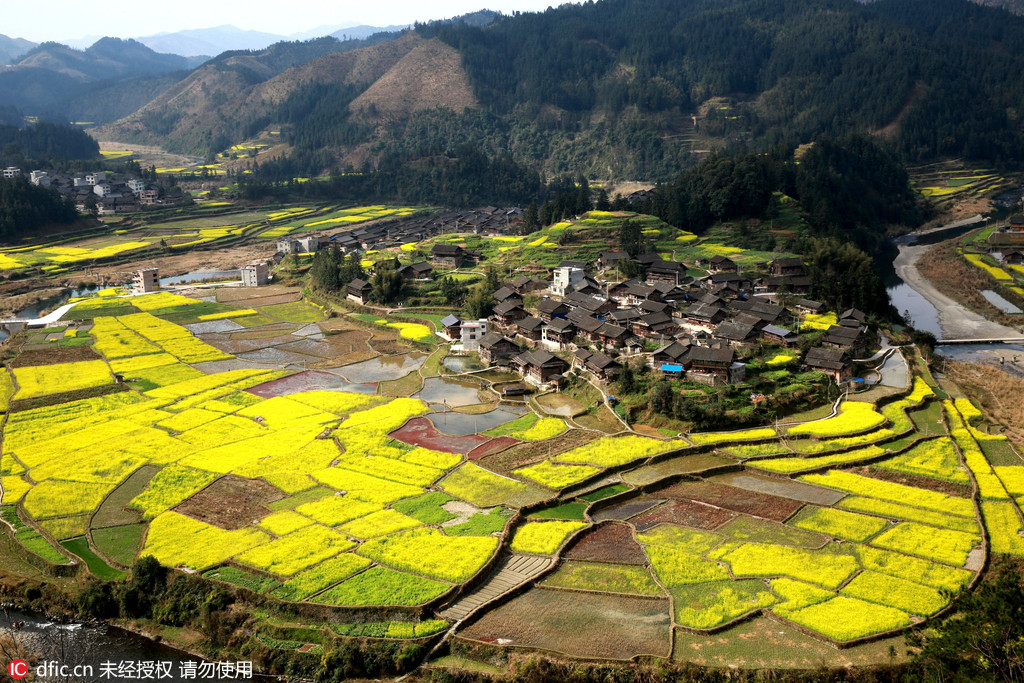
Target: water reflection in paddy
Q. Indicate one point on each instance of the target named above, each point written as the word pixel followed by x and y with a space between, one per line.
pixel 461 424
pixel 382 368
pixel 461 363
pixel 449 392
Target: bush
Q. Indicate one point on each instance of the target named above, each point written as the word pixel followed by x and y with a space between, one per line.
pixel 96 601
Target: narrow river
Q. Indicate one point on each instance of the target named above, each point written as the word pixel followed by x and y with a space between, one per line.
pixel 931 311
pixel 104 653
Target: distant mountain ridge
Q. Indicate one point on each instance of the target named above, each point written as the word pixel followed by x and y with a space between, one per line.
pixel 106 58
pixel 210 41
pixel 12 49
pixel 55 81
pixel 218 39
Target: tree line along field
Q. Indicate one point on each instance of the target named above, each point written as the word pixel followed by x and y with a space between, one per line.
pixel 123 449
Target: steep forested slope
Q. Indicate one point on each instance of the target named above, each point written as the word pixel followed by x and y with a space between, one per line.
pixel 634 88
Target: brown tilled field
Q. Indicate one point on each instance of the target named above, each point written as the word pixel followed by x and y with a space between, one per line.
pixel 732 498
pixel 684 513
pixel 532 452
pixel 247 294
pixel 231 502
pixel 54 354
pixel 611 542
pixel 579 624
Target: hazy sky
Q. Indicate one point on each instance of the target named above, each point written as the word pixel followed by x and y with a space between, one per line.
pixel 68 20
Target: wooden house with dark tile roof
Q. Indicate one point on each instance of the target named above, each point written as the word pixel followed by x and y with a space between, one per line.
pixel 540 367
pixel 496 349
pixel 829 361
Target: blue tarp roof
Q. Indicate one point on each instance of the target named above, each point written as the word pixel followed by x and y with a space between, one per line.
pixel 665 367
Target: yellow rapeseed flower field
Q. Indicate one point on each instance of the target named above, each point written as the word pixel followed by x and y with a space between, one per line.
pixel 41 380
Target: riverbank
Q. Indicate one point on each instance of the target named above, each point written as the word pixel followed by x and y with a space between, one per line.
pixel 955 320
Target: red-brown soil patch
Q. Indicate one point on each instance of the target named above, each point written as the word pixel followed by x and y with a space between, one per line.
pixel 495 445
pixel 339 325
pixel 231 502
pixel 684 513
pixel 419 431
pixel 731 498
pixel 607 543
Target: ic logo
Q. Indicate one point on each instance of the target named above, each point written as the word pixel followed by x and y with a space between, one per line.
pixel 18 668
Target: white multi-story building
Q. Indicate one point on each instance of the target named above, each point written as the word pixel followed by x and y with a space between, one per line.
pixel 11 172
pixel 471 332
pixel 564 278
pixel 136 186
pixel 41 178
pixel 96 178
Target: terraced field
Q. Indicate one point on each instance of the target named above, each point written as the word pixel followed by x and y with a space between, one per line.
pixel 304 487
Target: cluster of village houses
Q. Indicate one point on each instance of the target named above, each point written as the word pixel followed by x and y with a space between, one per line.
pixel 98 189
pixel 697 326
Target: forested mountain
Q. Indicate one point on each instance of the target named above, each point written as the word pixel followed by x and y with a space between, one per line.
pixel 632 88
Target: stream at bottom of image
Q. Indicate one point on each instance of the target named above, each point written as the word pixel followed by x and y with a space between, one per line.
pixel 87 652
